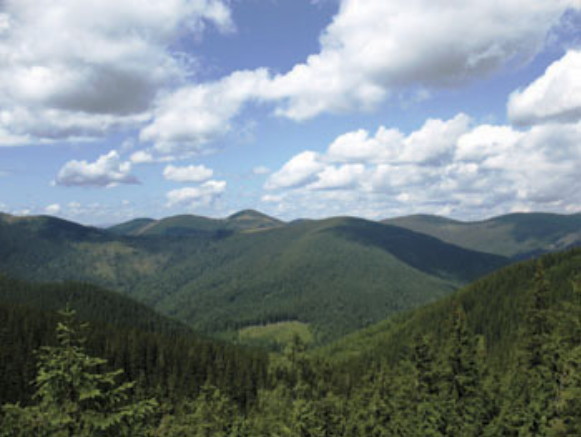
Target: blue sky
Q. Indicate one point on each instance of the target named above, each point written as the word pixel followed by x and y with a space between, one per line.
pixel 297 108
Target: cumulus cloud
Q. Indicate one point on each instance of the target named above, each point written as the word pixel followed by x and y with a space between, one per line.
pixel 107 171
pixel 555 96
pixel 342 177
pixel 371 49
pixel 193 116
pixel 87 61
pixel 299 171
pixel 374 46
pixel 446 166
pixel 191 173
pixel 202 195
pixel 142 157
pixel 53 209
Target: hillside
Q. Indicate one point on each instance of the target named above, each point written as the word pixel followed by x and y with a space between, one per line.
pixel 91 303
pixel 181 225
pixel 166 357
pixel 495 308
pixel 333 275
pixel 517 236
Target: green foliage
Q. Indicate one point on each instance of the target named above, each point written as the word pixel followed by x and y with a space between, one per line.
pixel 73 397
pixel 438 372
pixel 335 275
pixel 167 358
pixel 211 414
pixel 275 335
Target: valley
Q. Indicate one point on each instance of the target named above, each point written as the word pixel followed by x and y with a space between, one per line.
pixel 226 324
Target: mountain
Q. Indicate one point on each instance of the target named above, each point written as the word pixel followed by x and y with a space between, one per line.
pixel 247 220
pixel 91 303
pixel 518 236
pixel 132 227
pixel 495 305
pixel 165 356
pixel 332 276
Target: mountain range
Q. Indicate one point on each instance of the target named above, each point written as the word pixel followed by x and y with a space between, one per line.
pixel 249 270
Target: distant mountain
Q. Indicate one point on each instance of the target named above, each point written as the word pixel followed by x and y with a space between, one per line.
pixel 181 225
pixel 333 275
pixel 515 235
pixel 132 227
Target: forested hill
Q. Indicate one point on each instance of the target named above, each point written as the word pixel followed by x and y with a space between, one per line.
pixel 166 357
pixel 522 235
pixel 330 277
pixel 499 358
pixel 496 308
pixel 246 220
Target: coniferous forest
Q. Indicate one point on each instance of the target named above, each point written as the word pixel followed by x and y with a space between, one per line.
pixel 290 218
pixel 501 356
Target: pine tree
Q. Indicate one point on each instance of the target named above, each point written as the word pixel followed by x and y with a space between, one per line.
pixel 568 403
pixel 531 407
pixel 74 397
pixel 428 419
pixel 210 414
pixel 465 396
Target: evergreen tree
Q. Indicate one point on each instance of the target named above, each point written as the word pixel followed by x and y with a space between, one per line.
pixel 465 396
pixel 211 414
pixel 568 402
pixel 531 406
pixel 429 417
pixel 74 397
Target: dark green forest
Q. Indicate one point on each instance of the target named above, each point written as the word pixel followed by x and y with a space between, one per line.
pixel 501 356
pixel 335 276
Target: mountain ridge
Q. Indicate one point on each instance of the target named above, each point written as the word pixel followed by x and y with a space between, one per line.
pixel 334 275
pixel 516 235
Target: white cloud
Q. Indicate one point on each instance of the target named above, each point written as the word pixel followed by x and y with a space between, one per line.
pixel 435 140
pixel 202 195
pixel 334 178
pixel 272 198
pixel 555 96
pixel 108 171
pixel 372 49
pixel 445 167
pixel 193 116
pixel 359 146
pixel 93 59
pixel 375 46
pixel 53 209
pixel 142 157
pixel 260 170
pixel 191 173
pixel 299 171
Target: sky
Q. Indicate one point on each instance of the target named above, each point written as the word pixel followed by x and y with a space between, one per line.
pixel 298 108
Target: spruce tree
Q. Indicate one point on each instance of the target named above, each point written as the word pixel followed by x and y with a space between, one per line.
pixel 531 406
pixel 74 398
pixel 464 397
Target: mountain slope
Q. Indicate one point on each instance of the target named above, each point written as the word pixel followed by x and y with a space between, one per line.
pixel 333 275
pixel 324 273
pixel 495 307
pixel 91 303
pixel 167 358
pixel 515 235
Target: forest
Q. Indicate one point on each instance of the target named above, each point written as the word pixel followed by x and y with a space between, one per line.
pixel 453 368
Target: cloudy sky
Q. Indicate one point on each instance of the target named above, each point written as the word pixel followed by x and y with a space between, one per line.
pixel 111 110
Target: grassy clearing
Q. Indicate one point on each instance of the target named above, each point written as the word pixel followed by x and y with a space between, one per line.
pixel 280 333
